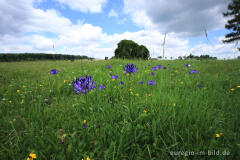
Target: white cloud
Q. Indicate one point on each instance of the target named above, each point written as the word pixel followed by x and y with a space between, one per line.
pixel 92 6
pixel 112 13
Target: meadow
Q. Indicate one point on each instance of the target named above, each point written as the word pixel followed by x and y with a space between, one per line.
pixel 177 116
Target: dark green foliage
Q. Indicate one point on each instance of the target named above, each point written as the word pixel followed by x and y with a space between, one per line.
pixel 201 57
pixel 233 24
pixel 37 56
pixel 128 49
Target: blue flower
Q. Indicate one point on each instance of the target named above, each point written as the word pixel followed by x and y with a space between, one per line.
pixel 130 68
pixel 54 71
pixel 108 67
pixel 121 83
pixel 152 73
pixel 159 66
pixel 193 72
pixel 114 77
pixel 187 65
pixel 141 82
pixel 83 84
pixel 84 125
pixel 154 68
pixel 164 67
pixel 199 86
pixel 101 87
pixel 148 64
pixel 151 82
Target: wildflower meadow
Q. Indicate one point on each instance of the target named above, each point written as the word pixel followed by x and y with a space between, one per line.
pixel 120 110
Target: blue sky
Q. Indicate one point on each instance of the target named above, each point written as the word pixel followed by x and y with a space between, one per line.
pixel 94 27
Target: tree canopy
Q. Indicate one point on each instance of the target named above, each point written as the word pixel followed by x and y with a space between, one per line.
pixel 233 24
pixel 129 49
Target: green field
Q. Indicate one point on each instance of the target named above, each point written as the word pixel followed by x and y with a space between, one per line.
pixel 172 119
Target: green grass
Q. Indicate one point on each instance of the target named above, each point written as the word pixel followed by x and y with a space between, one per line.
pixel 153 123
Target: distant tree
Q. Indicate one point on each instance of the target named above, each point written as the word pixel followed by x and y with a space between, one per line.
pixel 130 49
pixel 234 23
pixel 180 58
pixel 190 56
pixel 171 57
pixel 160 57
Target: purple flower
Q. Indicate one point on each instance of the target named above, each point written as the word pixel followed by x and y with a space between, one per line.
pixel 151 82
pixel 108 66
pixel 148 64
pixel 101 87
pixel 84 125
pixel 114 77
pixel 141 82
pixel 199 86
pixel 164 67
pixel 187 65
pixel 159 66
pixel 193 72
pixel 130 68
pixel 154 68
pixel 83 84
pixel 121 83
pixel 152 73
pixel 54 71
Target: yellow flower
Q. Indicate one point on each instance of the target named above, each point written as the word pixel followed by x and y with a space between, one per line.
pixel 18 91
pixel 88 158
pixel 10 101
pixel 28 158
pixel 176 71
pixel 137 94
pixel 32 155
pixel 85 121
pixel 238 86
pixel 232 89
pixel 218 135
pixel 65 81
pixel 23 86
pixel 145 111
pixel 174 104
pixel 107 81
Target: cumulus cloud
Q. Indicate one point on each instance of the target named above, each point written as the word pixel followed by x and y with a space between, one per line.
pixel 21 17
pixel 188 18
pixel 112 13
pixel 92 6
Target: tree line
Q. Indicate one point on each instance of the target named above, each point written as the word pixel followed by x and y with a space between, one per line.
pixel 201 57
pixel 38 56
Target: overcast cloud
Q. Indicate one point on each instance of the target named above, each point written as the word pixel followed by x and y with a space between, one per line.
pixel 183 17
